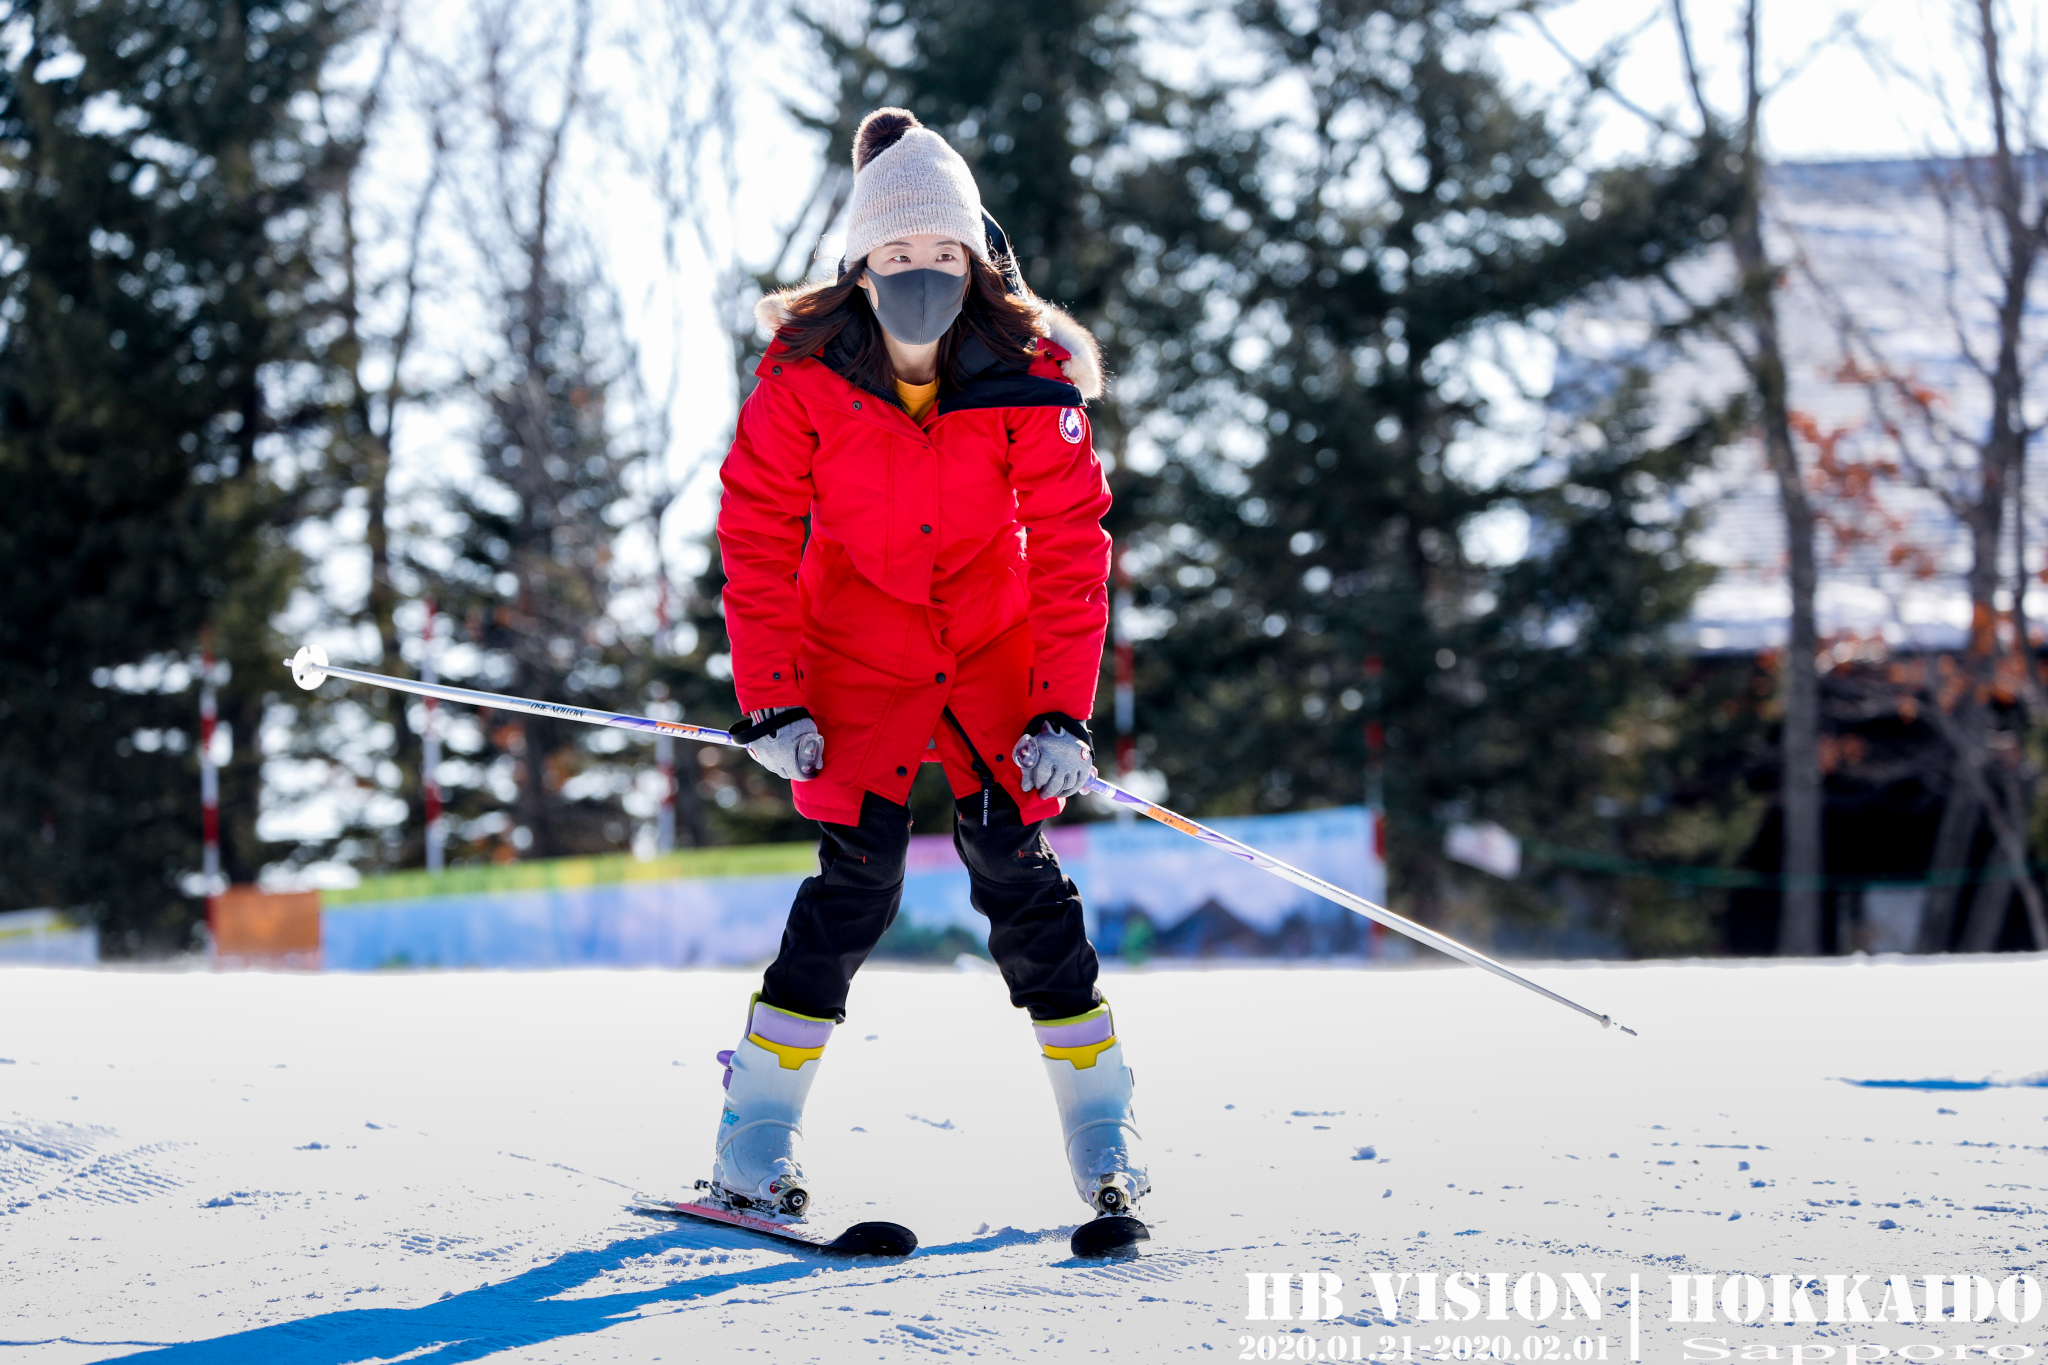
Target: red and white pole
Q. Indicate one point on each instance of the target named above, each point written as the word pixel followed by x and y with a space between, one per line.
pixel 209 780
pixel 430 756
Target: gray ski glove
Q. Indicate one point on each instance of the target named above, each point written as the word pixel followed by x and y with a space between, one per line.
pixel 1055 762
pixel 784 740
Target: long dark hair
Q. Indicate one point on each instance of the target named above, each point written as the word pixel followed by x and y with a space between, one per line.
pixel 834 322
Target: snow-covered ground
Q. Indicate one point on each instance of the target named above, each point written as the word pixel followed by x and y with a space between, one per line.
pixel 317 1169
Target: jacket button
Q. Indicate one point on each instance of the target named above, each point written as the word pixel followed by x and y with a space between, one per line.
pixel 940 678
pixel 926 529
pixel 778 677
pixel 856 405
pixel 775 369
pixel 902 772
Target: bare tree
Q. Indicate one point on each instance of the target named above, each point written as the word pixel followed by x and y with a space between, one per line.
pixel 369 242
pixel 1969 451
pixel 474 180
pixel 1750 327
pixel 375 304
pixel 1745 320
pixel 680 137
pixel 533 552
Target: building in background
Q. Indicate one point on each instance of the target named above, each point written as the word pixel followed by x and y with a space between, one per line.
pixel 1888 296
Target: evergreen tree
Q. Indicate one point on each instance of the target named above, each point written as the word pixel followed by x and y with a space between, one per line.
pixel 1034 97
pixel 1287 308
pixel 530 585
pixel 157 174
pixel 1039 100
pixel 527 572
pixel 1308 351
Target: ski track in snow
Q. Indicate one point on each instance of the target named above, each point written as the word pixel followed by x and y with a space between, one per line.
pixel 329 1169
pixel 66 1161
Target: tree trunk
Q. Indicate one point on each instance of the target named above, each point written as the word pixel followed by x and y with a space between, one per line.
pixel 1996 776
pixel 368 451
pixel 537 795
pixel 2007 808
pixel 689 805
pixel 1987 914
pixel 1799 790
pixel 383 612
pixel 1952 838
pixel 241 782
pixel 1799 793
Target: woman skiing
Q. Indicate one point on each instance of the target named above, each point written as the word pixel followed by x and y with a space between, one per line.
pixel 915 571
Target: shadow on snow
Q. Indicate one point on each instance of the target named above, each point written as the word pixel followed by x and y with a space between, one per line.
pixel 522 1311
pixel 525 1310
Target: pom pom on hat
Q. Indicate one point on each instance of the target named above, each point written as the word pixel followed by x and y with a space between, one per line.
pixel 879 132
pixel 908 180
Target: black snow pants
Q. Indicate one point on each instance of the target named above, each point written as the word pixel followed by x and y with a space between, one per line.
pixel 1034 912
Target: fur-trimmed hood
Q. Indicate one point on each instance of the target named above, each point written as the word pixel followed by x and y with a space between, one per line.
pixel 1083 366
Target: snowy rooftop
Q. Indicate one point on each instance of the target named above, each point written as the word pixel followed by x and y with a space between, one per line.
pixel 1877 265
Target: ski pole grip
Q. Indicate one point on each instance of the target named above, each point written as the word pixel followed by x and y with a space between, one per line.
pixel 810 754
pixel 1025 755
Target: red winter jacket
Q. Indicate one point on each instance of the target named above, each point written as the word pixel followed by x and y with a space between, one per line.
pixel 959 565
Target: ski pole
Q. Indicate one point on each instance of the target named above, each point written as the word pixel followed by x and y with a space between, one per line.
pixel 1026 754
pixel 310 668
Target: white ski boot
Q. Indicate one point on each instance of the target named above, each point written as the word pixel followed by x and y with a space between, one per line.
pixel 1092 1086
pixel 768 1077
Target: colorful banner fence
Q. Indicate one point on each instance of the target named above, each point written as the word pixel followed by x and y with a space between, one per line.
pixel 1149 891
pixel 45 938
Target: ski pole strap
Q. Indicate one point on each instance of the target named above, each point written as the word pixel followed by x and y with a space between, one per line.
pixel 758 725
pixel 981 769
pixel 1060 720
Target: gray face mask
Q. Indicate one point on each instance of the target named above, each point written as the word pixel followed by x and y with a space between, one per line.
pixel 917 306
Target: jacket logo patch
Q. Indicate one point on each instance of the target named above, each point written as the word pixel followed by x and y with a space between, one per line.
pixel 1070 425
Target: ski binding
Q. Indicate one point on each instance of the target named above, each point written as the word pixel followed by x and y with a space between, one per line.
pixel 1113 1231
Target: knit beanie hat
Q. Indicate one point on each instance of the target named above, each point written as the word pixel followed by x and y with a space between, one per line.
pixel 907 179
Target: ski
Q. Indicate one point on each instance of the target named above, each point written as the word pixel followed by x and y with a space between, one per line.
pixel 1109 1235
pixel 862 1239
